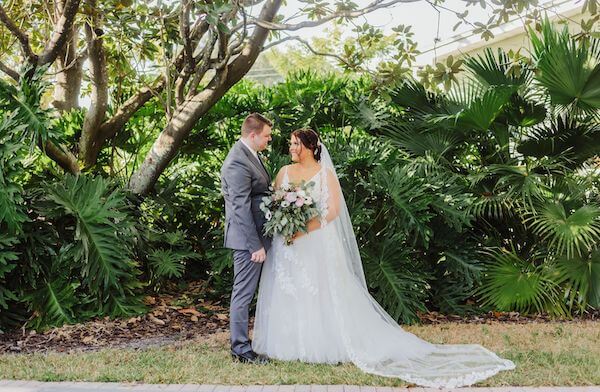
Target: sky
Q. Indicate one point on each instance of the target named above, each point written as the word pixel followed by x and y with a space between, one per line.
pixel 424 20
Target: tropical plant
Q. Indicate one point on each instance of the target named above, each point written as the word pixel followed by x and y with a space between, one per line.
pixel 520 139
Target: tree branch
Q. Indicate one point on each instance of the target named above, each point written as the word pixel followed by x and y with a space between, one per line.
pixel 9 71
pixel 184 33
pixel 313 23
pixel 203 63
pixel 111 126
pixel 308 46
pixel 20 35
pixel 242 63
pixel 166 145
pixel 60 34
pixel 63 157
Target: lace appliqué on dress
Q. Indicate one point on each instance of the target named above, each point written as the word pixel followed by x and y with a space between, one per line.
pixel 324 198
pixel 282 271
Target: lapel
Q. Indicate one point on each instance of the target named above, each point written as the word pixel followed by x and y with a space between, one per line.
pixel 256 162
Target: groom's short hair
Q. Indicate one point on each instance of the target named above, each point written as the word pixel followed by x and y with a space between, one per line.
pixel 255 122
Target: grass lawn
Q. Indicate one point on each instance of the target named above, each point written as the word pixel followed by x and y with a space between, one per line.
pixel 545 354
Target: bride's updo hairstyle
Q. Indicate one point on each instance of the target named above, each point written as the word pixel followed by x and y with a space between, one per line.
pixel 309 139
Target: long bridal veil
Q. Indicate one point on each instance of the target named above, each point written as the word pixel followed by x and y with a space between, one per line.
pixel 373 340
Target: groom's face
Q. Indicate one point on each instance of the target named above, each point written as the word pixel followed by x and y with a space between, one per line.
pixel 261 140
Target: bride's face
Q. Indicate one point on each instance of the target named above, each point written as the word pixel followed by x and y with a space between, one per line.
pixel 296 148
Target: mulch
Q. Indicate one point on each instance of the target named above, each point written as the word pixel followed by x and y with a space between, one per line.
pixel 172 317
pixel 172 320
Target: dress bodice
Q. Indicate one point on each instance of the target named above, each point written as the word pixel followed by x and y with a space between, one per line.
pixel 319 192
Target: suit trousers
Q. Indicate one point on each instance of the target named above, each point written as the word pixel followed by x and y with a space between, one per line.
pixel 246 275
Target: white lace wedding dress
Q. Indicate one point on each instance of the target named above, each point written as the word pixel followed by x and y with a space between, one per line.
pixel 314 306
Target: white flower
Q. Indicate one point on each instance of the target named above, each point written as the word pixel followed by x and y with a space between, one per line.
pixel 308 201
pixel 285 204
pixel 268 215
pixel 302 194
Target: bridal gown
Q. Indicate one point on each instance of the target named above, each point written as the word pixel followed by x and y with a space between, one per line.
pixel 314 306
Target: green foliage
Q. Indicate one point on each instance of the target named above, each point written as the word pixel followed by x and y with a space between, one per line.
pixel 65 251
pixel 23 102
pixel 569 70
pixel 12 171
pixel 582 277
pixel 572 233
pixel 522 174
pixel 102 237
pixel 511 283
pixel 483 197
pixel 53 303
pixel 394 276
pixel 7 263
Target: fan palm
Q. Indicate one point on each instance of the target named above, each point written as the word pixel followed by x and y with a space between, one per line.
pixel 571 232
pixel 582 277
pixel 569 70
pixel 511 283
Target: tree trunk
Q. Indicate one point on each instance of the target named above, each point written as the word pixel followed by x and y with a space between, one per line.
pixel 91 140
pixel 168 142
pixel 178 128
pixel 68 79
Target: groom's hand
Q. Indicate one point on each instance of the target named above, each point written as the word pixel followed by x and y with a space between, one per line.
pixel 259 256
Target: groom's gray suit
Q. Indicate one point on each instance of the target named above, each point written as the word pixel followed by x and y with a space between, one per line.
pixel 244 182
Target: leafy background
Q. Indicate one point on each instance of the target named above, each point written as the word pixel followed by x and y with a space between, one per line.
pixel 483 197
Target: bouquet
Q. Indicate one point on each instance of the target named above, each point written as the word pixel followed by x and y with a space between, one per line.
pixel 288 210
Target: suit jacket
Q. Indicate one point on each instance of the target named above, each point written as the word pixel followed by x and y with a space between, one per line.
pixel 244 182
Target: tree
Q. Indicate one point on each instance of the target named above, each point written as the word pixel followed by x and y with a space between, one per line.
pixel 186 53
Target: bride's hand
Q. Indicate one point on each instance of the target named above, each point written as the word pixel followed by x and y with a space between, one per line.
pixel 312 225
pixel 297 235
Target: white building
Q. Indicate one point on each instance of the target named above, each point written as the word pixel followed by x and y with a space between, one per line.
pixel 512 35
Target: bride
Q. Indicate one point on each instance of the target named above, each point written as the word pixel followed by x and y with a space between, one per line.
pixel 314 306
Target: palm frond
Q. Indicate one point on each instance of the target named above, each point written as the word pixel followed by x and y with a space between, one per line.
pixel 582 277
pixel 436 142
pixel 568 71
pixel 570 232
pixel 483 111
pixel 519 182
pixel 495 70
pixel 511 283
pixel 565 137
pixel 168 263
pixel 413 96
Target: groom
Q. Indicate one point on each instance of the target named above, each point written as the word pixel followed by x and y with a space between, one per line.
pixel 244 182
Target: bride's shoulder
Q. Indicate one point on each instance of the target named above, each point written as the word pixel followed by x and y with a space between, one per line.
pixel 280 173
pixel 285 168
pixel 328 172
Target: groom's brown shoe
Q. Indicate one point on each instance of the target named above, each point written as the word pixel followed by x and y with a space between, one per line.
pixel 250 357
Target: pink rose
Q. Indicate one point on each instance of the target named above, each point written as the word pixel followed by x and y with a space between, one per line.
pixel 291 197
pixel 299 202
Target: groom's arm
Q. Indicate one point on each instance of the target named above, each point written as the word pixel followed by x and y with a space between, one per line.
pixel 239 187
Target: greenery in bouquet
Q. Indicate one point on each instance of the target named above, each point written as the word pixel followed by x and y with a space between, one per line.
pixel 288 210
